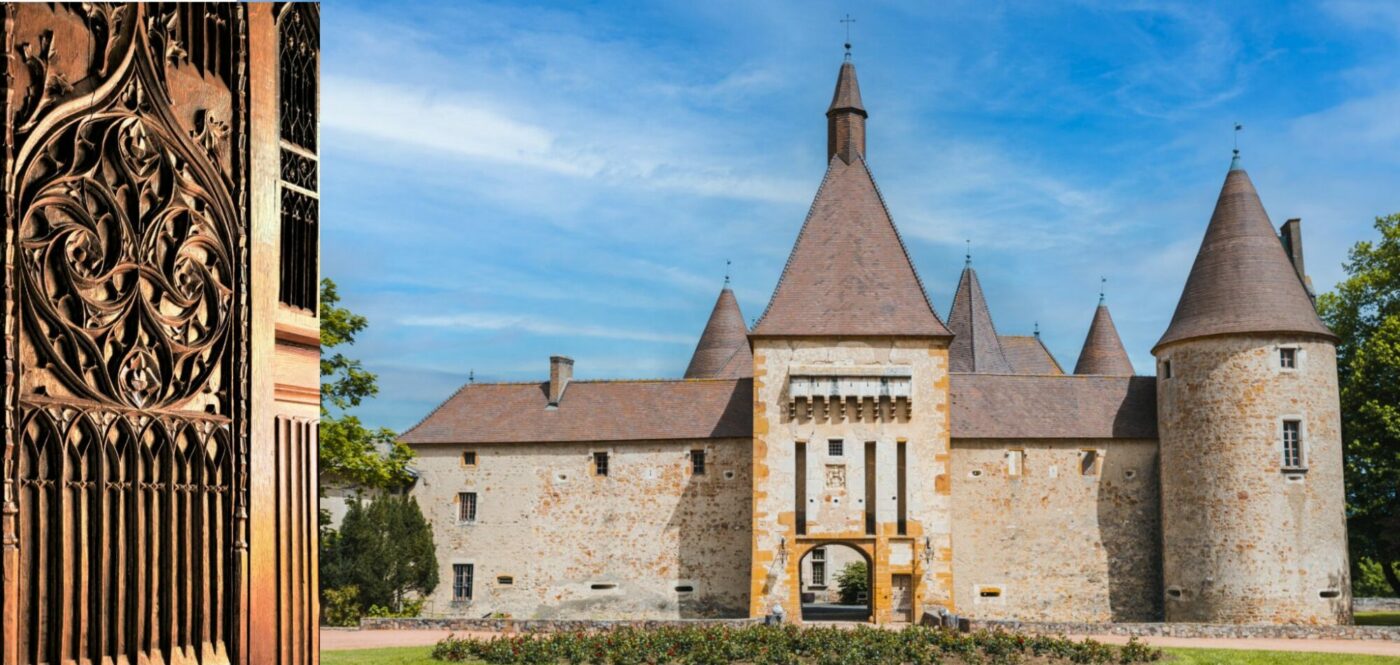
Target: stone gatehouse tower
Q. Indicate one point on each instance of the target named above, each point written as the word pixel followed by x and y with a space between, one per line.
pixel 965 467
pixel 851 397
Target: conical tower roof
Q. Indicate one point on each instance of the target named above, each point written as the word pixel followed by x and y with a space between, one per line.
pixel 849 273
pixel 1103 351
pixel 1242 281
pixel 975 346
pixel 723 351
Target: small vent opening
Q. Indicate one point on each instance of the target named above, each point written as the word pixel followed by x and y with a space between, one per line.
pixel 603 586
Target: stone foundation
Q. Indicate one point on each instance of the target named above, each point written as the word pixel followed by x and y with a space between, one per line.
pixel 1214 630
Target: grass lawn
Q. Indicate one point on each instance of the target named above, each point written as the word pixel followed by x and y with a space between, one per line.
pixel 419 656
pixel 395 656
pixel 1378 618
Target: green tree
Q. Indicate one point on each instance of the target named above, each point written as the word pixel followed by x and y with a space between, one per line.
pixel 384 550
pixel 854 580
pixel 1364 311
pixel 351 452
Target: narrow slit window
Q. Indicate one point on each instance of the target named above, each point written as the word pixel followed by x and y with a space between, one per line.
pixel 901 470
pixel 466 507
pixel 1292 444
pixel 800 471
pixel 1015 463
pixel 1166 369
pixel 462 581
pixel 600 464
pixel 870 487
pixel 697 462
pixel 505 580
pixel 1288 358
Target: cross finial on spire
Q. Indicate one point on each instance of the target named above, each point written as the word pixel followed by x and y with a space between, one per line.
pixel 726 273
pixel 848 21
pixel 471 376
pixel 1103 283
pixel 1037 330
pixel 1235 162
pixel 967 258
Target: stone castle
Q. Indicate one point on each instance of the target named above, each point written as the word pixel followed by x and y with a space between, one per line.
pixel 966 469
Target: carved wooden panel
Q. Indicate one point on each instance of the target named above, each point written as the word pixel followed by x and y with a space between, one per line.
pixel 297 517
pixel 126 252
pixel 298 56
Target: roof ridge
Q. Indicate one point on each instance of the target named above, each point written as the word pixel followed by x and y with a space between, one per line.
pixel 1053 359
pixel 811 210
pixel 900 238
pixel 437 408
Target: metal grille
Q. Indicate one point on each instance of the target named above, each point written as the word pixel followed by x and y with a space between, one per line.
pixel 299 46
pixel 462 581
pixel 299 51
pixel 697 462
pixel 466 508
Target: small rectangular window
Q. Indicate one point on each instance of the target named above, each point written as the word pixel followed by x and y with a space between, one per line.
pixel 819 554
pixel 600 464
pixel 1015 460
pixel 835 448
pixel 466 507
pixel 469 458
pixel 505 580
pixel 1288 358
pixel 1089 463
pixel 819 573
pixel 1166 369
pixel 697 462
pixel 1292 444
pixel 462 581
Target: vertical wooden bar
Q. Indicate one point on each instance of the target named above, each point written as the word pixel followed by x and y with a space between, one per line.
pixel 260 639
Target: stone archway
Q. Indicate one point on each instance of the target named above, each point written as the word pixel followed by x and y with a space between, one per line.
pixel 821 597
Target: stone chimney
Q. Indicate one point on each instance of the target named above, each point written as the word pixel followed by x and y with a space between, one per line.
pixel 1291 234
pixel 561 370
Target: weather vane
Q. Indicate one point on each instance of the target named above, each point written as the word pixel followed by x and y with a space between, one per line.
pixel 848 21
pixel 967 258
pixel 1103 282
pixel 1037 330
pixel 471 376
pixel 1238 127
pixel 726 272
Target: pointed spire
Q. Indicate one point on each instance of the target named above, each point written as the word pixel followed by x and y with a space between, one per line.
pixel 849 273
pixel 723 351
pixel 975 346
pixel 845 118
pixel 1242 280
pixel 1103 351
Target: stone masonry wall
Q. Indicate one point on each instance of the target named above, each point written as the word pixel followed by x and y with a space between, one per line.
pixel 581 546
pixel 1048 541
pixel 836 486
pixel 1247 540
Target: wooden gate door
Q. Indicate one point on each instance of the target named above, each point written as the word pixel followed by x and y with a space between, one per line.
pixel 129 430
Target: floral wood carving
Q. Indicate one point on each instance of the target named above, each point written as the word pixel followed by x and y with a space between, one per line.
pixel 126 247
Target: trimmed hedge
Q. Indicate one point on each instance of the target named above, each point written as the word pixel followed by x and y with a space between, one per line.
pixel 786 645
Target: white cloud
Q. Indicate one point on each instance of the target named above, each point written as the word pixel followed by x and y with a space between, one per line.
pixel 538 326
pixel 611 150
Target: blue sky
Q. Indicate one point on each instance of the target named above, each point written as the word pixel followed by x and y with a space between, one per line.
pixel 503 182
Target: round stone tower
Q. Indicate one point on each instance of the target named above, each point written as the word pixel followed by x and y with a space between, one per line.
pixel 1253 522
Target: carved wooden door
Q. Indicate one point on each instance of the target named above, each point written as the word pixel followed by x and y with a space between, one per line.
pixel 126 327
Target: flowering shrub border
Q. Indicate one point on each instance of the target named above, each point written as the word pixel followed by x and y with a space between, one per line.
pixel 785 645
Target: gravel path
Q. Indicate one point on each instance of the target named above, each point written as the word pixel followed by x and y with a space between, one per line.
pixel 334 639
